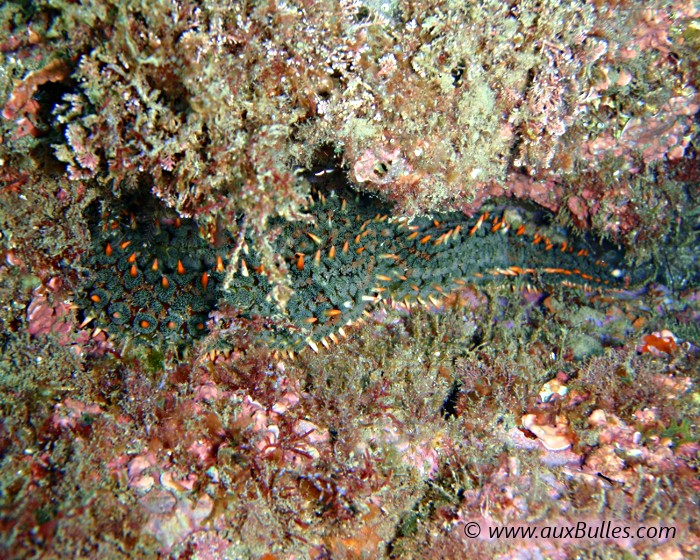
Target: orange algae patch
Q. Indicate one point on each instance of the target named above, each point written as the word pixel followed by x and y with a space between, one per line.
pixel 659 342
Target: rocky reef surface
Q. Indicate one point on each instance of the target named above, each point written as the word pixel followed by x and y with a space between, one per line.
pixel 349 279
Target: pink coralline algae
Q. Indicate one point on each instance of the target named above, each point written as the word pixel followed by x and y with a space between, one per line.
pixel 172 514
pixel 172 520
pixel 620 446
pixel 666 134
pixel 299 450
pixel 70 412
pixel 21 106
pixel 48 315
pixel 45 317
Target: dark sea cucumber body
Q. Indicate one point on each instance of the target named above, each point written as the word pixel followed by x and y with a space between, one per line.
pixel 159 277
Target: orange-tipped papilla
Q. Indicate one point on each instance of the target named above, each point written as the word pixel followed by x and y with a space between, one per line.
pixel 332 312
pixel 180 267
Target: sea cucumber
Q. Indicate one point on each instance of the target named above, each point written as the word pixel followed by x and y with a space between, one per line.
pixel 153 274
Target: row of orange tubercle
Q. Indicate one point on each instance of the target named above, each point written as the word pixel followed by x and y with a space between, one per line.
pixel 353 256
